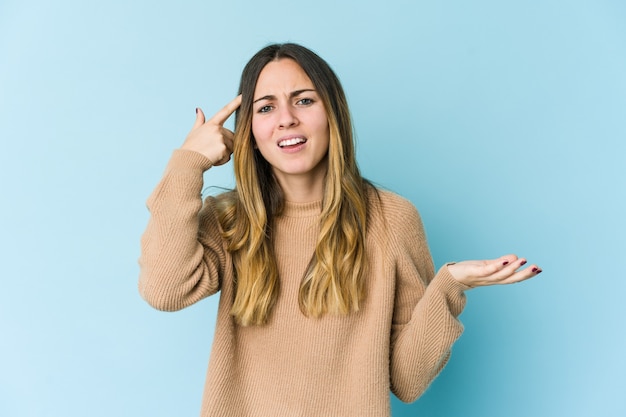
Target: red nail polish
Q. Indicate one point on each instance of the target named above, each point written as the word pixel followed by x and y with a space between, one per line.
pixel 535 269
pixel 505 263
pixel 538 271
pixel 196 110
pixel 523 263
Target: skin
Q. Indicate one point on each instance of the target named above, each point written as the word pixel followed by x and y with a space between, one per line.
pixel 279 113
pixel 504 270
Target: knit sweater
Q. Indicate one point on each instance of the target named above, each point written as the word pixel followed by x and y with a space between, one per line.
pixel 295 366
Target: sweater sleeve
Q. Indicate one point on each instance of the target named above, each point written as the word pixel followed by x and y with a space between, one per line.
pixel 178 265
pixel 425 323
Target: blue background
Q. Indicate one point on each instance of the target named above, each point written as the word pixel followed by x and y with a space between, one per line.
pixel 504 122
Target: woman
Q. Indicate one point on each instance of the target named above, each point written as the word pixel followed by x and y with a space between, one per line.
pixel 329 299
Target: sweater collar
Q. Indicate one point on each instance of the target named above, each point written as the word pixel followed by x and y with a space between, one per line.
pixel 310 209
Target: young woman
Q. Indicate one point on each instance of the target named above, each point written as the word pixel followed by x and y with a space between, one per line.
pixel 329 299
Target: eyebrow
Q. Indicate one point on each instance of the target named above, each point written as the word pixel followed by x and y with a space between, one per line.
pixel 291 95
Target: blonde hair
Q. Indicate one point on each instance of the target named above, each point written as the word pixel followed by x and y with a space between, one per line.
pixel 333 282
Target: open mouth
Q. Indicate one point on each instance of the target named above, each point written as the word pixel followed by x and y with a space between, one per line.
pixel 291 142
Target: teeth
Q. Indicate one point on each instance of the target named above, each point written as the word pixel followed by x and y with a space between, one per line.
pixel 290 142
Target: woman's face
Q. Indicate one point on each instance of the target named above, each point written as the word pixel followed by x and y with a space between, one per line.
pixel 289 122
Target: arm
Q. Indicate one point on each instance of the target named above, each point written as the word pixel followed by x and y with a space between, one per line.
pixel 180 265
pixel 425 324
pixel 177 268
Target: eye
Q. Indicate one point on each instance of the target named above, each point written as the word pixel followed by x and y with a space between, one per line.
pixel 305 101
pixel 265 109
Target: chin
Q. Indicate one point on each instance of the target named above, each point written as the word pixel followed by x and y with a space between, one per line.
pixel 297 169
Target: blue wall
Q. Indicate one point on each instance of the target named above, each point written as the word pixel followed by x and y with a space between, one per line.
pixel 504 122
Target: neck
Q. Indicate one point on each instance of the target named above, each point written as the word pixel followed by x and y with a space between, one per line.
pixel 302 188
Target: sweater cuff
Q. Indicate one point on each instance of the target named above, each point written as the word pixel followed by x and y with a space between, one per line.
pixel 447 283
pixel 453 290
pixel 185 159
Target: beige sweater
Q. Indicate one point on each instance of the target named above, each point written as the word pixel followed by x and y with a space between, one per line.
pixel 296 366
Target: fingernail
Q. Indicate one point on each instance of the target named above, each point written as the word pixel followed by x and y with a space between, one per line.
pixel 196 110
pixel 523 263
pixel 538 271
pixel 535 269
pixel 505 263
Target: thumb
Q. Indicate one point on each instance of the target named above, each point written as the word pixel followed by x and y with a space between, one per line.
pixel 199 118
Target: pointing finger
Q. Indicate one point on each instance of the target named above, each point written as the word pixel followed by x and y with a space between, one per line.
pixel 221 116
pixel 199 118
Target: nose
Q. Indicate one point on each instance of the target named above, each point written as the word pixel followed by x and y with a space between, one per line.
pixel 287 117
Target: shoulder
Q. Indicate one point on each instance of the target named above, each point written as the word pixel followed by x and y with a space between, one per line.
pixel 220 209
pixel 398 231
pixel 393 208
pixel 227 198
pixel 394 219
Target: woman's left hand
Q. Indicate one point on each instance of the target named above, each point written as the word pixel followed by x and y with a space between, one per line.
pixel 504 270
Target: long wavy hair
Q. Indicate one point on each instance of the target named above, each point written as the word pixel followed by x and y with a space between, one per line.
pixel 333 282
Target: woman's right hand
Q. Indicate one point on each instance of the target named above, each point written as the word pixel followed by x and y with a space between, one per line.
pixel 211 138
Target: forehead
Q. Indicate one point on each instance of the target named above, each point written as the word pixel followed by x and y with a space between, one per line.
pixel 282 76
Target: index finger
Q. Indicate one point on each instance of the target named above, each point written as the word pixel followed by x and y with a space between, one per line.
pixel 221 116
